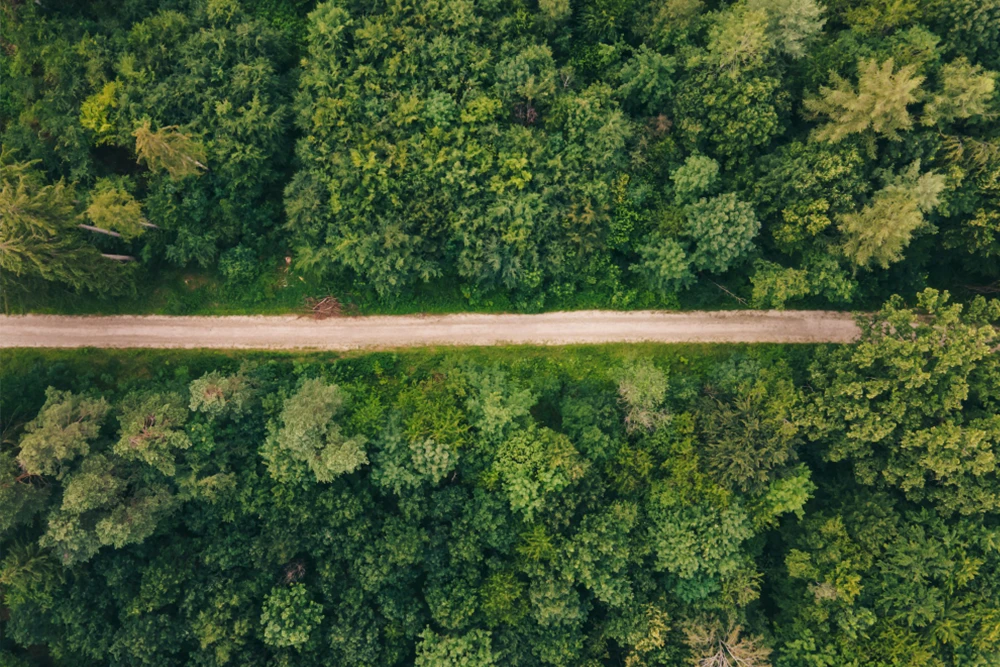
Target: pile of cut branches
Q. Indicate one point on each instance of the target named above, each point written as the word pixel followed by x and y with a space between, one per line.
pixel 329 306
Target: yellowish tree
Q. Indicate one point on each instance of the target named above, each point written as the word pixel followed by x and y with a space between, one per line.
pixel 38 236
pixel 879 103
pixel 880 232
pixel 114 208
pixel 965 91
pixel 168 149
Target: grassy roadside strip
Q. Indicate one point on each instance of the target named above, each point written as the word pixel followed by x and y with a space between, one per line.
pixel 25 373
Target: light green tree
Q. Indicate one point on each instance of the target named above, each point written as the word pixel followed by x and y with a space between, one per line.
pixel 739 39
pixel 880 232
pixel 38 235
pixel 744 35
pixel 63 430
pixel 168 149
pixel 496 404
pixel 310 435
pixel 102 505
pixel 472 649
pixel 642 390
pixel 112 207
pixel 911 405
pixel 879 104
pixel 152 430
pixel 722 230
pixel 696 178
pixel 220 395
pixel 289 616
pixel 791 24
pixel 965 91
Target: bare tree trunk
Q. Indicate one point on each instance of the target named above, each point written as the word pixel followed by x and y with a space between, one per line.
pixel 119 258
pixel 147 224
pixel 91 228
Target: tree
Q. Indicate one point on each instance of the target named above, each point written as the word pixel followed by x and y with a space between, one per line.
pixel 910 406
pixel 506 180
pixel 19 495
pixel 697 541
pixel 63 430
pixel 792 24
pixel 730 118
pixel 965 92
pixel 168 149
pixel 882 230
pixel 774 285
pixel 289 616
pixel 748 426
pixel 206 86
pixel 879 104
pixel 642 389
pixel 722 230
pixel 745 34
pixel 968 27
pixel 534 465
pixel 114 208
pixel 600 551
pixel 647 80
pixel 102 506
pixel 712 645
pixel 800 188
pixel 152 429
pixel 308 434
pixel 866 566
pixel 695 178
pixel 404 463
pixel 221 395
pixel 37 230
pixel 496 404
pixel 473 649
pixel 664 264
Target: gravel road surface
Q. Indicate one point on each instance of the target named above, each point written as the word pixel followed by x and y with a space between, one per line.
pixel 383 332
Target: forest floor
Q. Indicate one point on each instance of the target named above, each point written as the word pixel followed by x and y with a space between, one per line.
pixel 388 332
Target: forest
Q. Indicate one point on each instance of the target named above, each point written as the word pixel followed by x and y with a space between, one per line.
pixel 785 506
pixel 620 505
pixel 237 155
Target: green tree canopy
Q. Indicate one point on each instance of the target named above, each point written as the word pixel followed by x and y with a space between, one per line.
pixel 912 405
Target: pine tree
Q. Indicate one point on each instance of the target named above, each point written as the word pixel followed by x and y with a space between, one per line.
pixel 113 208
pixel 965 92
pixel 880 232
pixel 878 104
pixel 167 149
pixel 38 236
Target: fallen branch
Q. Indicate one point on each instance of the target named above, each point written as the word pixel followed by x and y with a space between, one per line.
pixel 99 230
pixel 118 258
pixel 742 301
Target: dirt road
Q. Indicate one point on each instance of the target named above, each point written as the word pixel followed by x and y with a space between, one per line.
pixel 349 333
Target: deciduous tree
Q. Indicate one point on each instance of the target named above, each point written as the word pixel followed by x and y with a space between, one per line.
pixel 308 434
